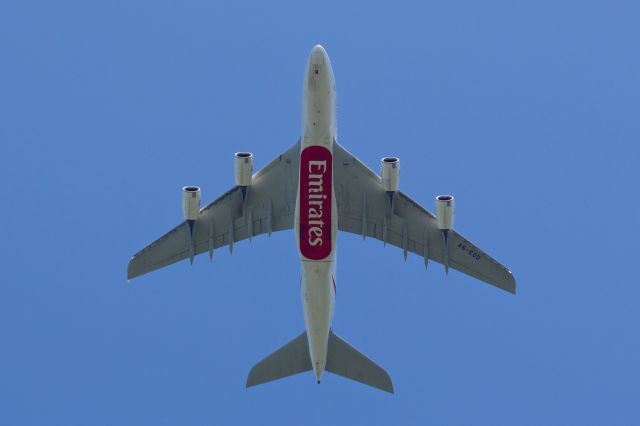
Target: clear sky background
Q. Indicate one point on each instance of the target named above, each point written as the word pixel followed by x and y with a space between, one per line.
pixel 528 112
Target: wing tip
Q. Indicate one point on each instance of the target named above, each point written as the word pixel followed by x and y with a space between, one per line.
pixel 511 283
pixel 249 382
pixel 387 387
pixel 252 379
pixel 131 272
pixel 505 281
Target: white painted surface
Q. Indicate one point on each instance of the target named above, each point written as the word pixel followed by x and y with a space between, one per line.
pixel 318 129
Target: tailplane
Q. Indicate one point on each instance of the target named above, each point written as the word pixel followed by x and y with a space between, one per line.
pixel 292 358
pixel 344 360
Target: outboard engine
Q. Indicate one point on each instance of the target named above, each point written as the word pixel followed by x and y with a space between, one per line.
pixel 445 206
pixel 190 202
pixel 243 170
pixel 390 176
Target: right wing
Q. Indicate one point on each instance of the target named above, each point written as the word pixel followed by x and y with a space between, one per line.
pixel 364 209
pixel 269 207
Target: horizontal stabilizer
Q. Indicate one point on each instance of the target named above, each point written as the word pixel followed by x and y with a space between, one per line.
pixel 292 358
pixel 344 360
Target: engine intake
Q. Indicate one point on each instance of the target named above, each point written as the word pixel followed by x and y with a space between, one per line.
pixel 445 206
pixel 390 173
pixel 243 168
pixel 190 202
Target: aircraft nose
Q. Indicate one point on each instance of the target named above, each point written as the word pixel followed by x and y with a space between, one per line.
pixel 319 72
pixel 318 55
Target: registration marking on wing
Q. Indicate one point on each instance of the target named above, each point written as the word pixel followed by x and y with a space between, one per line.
pixel 470 250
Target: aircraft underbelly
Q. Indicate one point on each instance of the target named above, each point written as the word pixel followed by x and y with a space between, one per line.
pixel 317 303
pixel 316 216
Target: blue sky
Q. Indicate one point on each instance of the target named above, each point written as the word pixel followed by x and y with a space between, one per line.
pixel 526 111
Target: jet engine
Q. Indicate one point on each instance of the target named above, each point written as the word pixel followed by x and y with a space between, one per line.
pixel 190 202
pixel 390 173
pixel 243 168
pixel 445 206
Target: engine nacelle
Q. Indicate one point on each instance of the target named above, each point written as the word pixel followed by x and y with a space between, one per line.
pixel 243 168
pixel 190 202
pixel 390 173
pixel 445 206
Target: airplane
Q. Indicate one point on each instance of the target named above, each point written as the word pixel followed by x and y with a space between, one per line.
pixel 318 188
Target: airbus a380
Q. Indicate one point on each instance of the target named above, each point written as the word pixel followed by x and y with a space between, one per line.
pixel 318 188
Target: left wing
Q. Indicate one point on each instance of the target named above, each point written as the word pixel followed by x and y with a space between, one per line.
pixel 268 207
pixel 364 209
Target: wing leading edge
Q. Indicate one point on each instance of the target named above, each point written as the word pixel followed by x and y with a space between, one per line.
pixel 364 209
pixel 268 207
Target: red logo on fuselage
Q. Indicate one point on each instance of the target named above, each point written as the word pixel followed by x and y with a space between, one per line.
pixel 315 202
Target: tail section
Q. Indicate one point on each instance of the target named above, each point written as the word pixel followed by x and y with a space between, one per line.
pixel 292 358
pixel 344 360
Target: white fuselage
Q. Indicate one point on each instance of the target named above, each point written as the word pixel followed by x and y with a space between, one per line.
pixel 316 217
